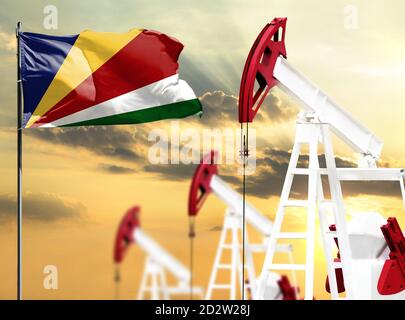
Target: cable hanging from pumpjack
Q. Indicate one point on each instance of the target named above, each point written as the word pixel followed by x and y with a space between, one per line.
pixel 244 153
pixel 191 235
pixel 117 280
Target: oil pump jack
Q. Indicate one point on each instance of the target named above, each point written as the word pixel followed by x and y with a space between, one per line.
pixel 266 66
pixel 158 262
pixel 205 181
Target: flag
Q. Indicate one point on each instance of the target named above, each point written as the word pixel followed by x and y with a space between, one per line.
pixel 102 78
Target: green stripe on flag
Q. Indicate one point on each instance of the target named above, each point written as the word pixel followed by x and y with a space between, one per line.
pixel 175 110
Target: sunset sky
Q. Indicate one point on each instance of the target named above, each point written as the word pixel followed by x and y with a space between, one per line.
pixel 78 182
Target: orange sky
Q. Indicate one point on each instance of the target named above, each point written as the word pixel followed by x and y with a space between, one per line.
pixel 363 69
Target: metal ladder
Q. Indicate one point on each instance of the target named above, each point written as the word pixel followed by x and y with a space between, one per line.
pixel 154 274
pixel 312 133
pixel 233 227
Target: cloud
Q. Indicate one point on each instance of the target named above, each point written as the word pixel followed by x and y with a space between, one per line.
pixel 268 180
pixel 378 188
pixel 8 41
pixel 277 109
pixel 388 69
pixel 44 207
pixel 216 228
pixel 271 169
pixel 177 172
pixel 113 169
pixel 108 141
pixel 220 108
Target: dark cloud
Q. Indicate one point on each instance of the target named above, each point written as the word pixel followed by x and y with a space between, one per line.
pixel 280 158
pixel 378 188
pixel 232 179
pixel 268 180
pixel 220 108
pixel 271 169
pixel 276 109
pixel 216 228
pixel 176 172
pixel 104 140
pixel 113 169
pixel 44 207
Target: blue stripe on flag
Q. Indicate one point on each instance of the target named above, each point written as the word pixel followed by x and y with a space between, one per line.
pixel 41 57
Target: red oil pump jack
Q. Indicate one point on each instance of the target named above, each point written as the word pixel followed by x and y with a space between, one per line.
pixel 206 181
pixel 159 262
pixel 266 66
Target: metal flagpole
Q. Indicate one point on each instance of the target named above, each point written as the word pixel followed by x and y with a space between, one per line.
pixel 19 167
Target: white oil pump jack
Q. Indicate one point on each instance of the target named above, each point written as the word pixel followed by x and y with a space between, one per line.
pixel 266 66
pixel 205 181
pixel 154 282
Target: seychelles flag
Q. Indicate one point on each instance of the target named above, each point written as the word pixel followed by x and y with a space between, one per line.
pixel 102 78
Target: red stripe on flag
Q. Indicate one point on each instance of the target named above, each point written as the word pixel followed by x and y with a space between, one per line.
pixel 148 58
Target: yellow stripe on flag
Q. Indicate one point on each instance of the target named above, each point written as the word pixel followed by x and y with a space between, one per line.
pixel 89 52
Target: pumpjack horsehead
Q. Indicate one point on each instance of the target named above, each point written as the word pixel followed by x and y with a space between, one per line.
pixel 206 181
pixel 154 284
pixel 370 263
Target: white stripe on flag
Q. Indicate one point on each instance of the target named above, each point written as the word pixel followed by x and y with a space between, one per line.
pixel 162 92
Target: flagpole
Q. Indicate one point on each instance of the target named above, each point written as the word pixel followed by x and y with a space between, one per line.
pixel 19 168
